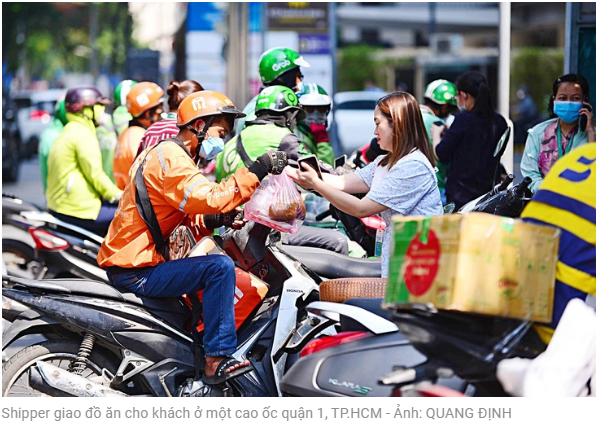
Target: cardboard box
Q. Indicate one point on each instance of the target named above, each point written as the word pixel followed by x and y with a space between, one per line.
pixel 477 262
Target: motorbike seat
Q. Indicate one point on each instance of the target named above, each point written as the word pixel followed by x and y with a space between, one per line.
pixel 332 265
pixel 372 305
pixel 168 308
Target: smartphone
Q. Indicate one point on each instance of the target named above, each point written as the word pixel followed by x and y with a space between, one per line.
pixel 313 162
pixel 340 161
pixel 583 119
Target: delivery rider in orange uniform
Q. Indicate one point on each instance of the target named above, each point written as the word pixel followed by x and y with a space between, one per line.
pixel 176 189
pixel 144 103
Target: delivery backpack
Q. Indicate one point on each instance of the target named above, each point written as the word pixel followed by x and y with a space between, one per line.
pixel 248 293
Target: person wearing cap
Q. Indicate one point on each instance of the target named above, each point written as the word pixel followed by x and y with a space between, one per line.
pixel 279 66
pixel 144 103
pixel 312 130
pixel 177 189
pixel 439 103
pixel 113 125
pixel 77 184
pixel 278 111
pixel 47 139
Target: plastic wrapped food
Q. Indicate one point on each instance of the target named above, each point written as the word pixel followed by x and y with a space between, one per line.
pixel 277 204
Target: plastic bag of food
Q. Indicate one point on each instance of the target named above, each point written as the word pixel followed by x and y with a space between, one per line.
pixel 277 204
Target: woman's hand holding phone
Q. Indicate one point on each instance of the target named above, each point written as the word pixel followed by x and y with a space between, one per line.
pixel 587 121
pixel 305 176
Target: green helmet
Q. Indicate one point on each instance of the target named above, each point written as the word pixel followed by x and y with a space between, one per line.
pixel 121 90
pixel 277 61
pixel 441 92
pixel 60 111
pixel 314 95
pixel 279 99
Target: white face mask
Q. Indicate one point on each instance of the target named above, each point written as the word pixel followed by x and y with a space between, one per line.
pixel 462 108
pixel 103 119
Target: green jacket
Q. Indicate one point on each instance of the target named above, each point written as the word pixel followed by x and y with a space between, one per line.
pixel 258 137
pixel 76 181
pixel 107 135
pixel 323 151
pixel 428 119
pixel 46 140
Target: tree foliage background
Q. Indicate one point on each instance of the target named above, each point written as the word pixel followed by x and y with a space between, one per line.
pixel 57 37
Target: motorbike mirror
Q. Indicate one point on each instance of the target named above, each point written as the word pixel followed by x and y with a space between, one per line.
pixel 499 151
pixel 501 144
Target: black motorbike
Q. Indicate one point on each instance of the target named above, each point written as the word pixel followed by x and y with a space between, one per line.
pixel 454 350
pixel 105 342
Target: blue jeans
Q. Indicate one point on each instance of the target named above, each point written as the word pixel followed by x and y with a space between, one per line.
pixel 214 274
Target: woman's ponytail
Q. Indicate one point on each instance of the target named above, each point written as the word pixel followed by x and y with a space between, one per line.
pixel 475 84
pixel 177 91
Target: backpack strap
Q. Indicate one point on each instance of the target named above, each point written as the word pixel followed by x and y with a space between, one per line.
pixel 144 206
pixel 240 148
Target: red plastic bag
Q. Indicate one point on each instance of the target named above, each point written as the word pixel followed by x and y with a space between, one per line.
pixel 277 204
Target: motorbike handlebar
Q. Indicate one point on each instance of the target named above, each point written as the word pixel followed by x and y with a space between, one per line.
pixel 504 185
pixel 323 215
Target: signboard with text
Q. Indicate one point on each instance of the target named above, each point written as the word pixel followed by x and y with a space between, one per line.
pixel 303 17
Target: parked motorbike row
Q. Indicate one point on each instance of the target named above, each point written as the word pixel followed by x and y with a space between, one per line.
pixel 102 342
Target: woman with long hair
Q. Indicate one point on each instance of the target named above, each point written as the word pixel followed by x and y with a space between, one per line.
pixel 468 145
pixel 401 182
pixel 563 132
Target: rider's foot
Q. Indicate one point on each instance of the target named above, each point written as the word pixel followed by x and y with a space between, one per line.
pixel 211 364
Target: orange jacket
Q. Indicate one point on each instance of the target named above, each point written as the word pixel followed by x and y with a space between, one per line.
pixel 176 188
pixel 125 152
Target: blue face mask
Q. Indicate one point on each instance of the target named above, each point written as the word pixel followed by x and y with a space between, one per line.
pixel 211 147
pixel 567 111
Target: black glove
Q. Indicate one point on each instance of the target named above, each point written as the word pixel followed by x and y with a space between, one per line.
pixel 213 221
pixel 270 162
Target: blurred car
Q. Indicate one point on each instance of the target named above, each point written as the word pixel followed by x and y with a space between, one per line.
pixel 353 124
pixel 11 144
pixel 35 111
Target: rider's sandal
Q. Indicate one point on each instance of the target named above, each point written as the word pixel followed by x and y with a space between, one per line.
pixel 221 376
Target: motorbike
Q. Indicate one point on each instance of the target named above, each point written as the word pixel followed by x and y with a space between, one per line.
pixel 403 348
pixel 104 342
pixel 457 351
pixel 18 256
pixel 61 249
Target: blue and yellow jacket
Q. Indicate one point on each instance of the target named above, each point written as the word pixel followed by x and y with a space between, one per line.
pixel 566 199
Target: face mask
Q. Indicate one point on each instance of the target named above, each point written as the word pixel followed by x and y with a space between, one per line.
pixel 94 113
pixel 567 111
pixel 316 117
pixel 462 108
pixel 103 120
pixel 211 147
pixel 299 87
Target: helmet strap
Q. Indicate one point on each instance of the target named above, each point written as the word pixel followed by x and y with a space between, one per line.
pixel 200 136
pixel 291 118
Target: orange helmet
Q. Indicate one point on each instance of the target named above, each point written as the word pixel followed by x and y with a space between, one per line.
pixel 143 96
pixel 205 103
